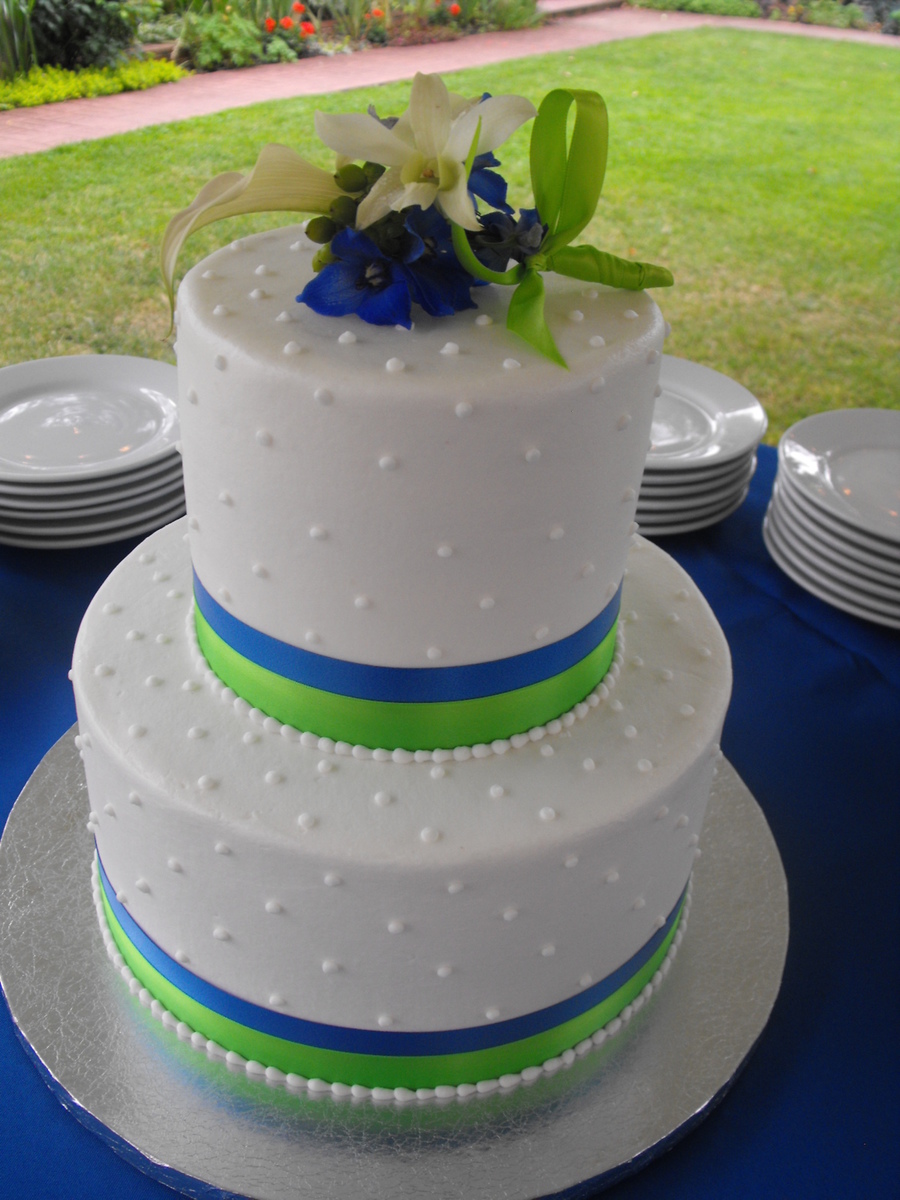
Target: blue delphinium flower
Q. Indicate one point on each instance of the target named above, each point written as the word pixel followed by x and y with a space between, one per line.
pixel 488 185
pixel 437 281
pixel 361 280
pixel 502 238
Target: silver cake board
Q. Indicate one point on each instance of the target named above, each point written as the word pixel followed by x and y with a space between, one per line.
pixel 139 1088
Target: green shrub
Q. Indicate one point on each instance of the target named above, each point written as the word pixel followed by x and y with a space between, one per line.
pixel 45 85
pixel 214 40
pixel 510 14
pixel 718 8
pixel 832 12
pixel 81 33
pixel 16 41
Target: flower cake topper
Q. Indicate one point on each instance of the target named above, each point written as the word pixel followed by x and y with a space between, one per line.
pixel 416 212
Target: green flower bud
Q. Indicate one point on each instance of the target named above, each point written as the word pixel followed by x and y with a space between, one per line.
pixel 321 229
pixel 373 171
pixel 343 210
pixel 351 178
pixel 322 258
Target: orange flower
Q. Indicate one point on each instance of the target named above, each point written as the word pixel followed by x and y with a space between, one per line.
pixel 455 10
pixel 286 23
pixel 307 28
pixel 270 24
pixel 298 7
pixel 377 13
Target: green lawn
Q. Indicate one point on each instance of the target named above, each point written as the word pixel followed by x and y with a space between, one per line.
pixel 764 170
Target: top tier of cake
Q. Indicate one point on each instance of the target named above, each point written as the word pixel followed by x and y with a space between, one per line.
pixel 368 497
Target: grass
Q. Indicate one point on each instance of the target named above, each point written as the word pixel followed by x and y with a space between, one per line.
pixel 763 170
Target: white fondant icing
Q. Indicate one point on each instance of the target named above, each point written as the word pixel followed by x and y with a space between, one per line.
pixel 452 471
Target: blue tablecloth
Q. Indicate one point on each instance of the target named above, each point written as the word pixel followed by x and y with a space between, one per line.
pixel 814 729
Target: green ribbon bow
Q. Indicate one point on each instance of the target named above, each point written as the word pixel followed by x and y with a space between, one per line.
pixel 566 181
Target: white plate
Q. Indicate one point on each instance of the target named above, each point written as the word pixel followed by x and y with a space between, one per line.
pixel 80 526
pixel 694 473
pixel 875 545
pixel 816 588
pixel 655 529
pixel 846 554
pixel 113 497
pixel 701 418
pixel 43 518
pixel 673 497
pixel 847 463
pixel 35 542
pixel 811 560
pixel 671 510
pixel 164 466
pixel 85 416
pixel 674 482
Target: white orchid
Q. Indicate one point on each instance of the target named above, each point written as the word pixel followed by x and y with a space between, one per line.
pixel 426 150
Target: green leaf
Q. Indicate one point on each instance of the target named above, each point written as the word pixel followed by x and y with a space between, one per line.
pixel 526 317
pixel 567 181
pixel 596 266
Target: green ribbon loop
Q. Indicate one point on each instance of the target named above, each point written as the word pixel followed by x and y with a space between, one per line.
pixel 566 178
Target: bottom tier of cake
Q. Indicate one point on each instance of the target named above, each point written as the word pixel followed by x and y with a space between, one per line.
pixel 411 924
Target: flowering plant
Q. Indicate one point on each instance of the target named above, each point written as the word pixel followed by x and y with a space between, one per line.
pixel 416 212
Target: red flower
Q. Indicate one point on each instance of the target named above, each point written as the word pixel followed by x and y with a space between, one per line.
pixel 270 24
pixel 455 10
pixel 377 13
pixel 286 23
pixel 307 28
pixel 298 7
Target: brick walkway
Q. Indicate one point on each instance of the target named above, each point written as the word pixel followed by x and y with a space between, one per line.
pixel 28 130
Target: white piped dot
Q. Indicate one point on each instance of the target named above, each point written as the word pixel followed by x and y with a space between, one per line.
pixel 548 951
pixel 225 595
pixel 492 1013
pixel 330 967
pixel 111 609
pixel 430 836
pixel 450 349
pixel 652 357
pixel 444 970
pixel 259 294
pixel 362 602
pixel 143 886
pixel 576 315
pixel 455 887
pixel 221 311
pixel 644 765
pixel 496 791
pixel 206 783
pixel 387 462
pixel 222 848
pixel 273 777
pixel 511 364
pixel 221 934
pixel 382 799
pixel 347 338
pixel 433 652
pixel 639 904
pixel 332 879
pixel 174 865
pixel 483 319
pixel 196 732
pixel 437 772
pixel 510 914
pixel 311 637
pixel 209 275
pixel 589 764
pixel 597 341
pixel 263 437
pixel 629 314
pixel 624 421
pixel 598 384
pixel 323 396
pixel 306 821
pixel 385 1021
pixel 324 767
pixel 220 362
pixel 102 670
pixel 395 366
pixel 612 877
pixel 463 409
pixel 547 813
pixel 396 926
pixel 273 907
pixel 662 812
pixel 137 731
pixel 276 1000
pixel 486 602
pixel 444 551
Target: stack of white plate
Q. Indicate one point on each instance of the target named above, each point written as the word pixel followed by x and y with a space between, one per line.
pixel 833 523
pixel 702 451
pixel 87 450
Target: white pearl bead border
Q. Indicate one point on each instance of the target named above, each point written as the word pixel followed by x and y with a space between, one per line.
pixel 358 1091
pixel 458 754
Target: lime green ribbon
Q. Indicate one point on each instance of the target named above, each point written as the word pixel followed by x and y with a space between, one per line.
pixel 566 178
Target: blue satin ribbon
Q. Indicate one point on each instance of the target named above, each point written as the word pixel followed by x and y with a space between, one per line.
pixel 405 684
pixel 385 1042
